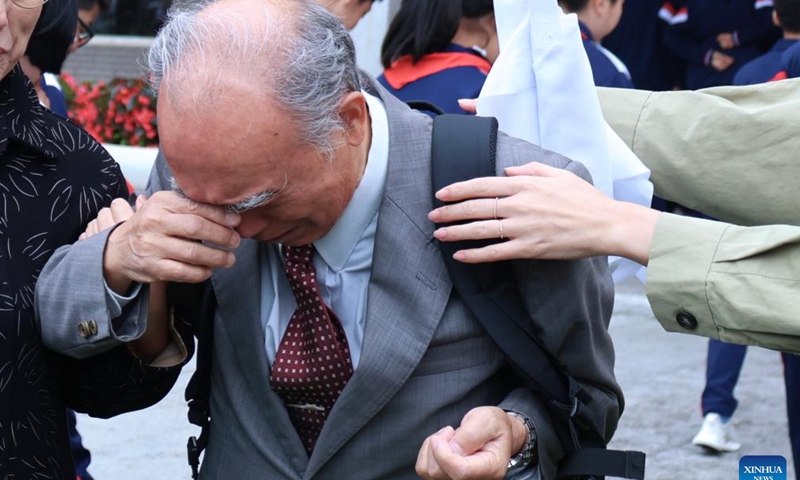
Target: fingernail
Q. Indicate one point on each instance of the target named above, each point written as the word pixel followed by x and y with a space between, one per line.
pixel 441 233
pixel 442 194
pixel 460 256
pixel 232 219
pixel 435 216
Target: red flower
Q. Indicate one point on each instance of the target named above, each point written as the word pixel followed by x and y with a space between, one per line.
pixel 121 111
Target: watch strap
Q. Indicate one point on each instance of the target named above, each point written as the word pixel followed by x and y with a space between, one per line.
pixel 529 453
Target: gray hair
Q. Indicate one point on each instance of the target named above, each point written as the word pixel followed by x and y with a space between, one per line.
pixel 305 62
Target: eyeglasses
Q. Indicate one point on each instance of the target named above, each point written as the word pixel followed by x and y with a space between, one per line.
pixel 84 33
pixel 28 4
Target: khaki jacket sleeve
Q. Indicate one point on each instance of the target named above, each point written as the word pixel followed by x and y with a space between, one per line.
pixel 735 284
pixel 728 152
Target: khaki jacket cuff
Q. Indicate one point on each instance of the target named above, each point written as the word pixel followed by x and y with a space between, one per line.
pixel 681 255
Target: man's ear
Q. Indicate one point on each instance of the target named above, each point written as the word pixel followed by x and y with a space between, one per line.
pixel 775 19
pixel 355 117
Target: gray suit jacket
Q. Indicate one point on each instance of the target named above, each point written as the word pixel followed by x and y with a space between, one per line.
pixel 425 361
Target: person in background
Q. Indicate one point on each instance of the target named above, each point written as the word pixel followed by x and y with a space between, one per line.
pixel 88 11
pixel 791 61
pixel 786 16
pixel 47 49
pixel 597 19
pixel 439 51
pixel 638 41
pixel 790 64
pixel 348 11
pixel 717 37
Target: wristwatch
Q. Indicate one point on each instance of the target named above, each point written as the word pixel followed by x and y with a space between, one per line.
pixel 528 455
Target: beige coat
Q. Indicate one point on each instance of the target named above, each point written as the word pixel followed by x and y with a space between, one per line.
pixel 733 153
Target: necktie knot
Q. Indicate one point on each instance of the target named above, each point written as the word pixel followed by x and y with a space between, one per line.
pixel 300 255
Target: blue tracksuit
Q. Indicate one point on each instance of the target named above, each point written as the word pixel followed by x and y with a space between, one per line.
pixel 722 373
pixel 692 35
pixel 765 67
pixel 638 42
pixel 790 61
pixel 57 102
pixel 440 78
pixel 605 72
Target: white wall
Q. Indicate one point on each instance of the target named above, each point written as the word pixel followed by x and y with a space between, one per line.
pixel 368 35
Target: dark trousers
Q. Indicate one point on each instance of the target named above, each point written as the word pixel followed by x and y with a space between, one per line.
pixel 722 372
pixel 791 378
pixel 80 455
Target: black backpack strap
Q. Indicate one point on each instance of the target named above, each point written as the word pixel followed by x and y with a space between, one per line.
pixel 465 147
pixel 197 302
pixel 600 462
pixel 425 106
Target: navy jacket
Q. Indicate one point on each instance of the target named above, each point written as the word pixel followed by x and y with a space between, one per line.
pixel 605 73
pixel 765 67
pixel 693 31
pixel 638 42
pixel 440 78
pixel 790 61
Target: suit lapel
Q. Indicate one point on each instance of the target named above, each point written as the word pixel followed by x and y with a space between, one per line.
pixel 238 292
pixel 408 291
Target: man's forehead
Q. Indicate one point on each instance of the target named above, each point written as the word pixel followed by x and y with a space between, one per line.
pixel 227 143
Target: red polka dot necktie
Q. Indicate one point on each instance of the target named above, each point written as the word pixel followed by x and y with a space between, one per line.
pixel 312 364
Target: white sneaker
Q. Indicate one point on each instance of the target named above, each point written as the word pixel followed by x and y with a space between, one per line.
pixel 716 435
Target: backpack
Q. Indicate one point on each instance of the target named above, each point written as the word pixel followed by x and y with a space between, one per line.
pixel 490 292
pixel 465 147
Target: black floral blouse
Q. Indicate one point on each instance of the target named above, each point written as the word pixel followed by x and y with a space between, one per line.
pixel 54 178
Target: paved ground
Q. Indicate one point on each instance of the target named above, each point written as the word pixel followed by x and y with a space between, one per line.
pixel 661 373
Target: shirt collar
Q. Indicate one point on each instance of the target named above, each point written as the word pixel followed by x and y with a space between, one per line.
pixel 586 34
pixel 25 120
pixel 337 246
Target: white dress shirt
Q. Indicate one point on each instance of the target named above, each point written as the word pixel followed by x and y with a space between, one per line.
pixel 344 256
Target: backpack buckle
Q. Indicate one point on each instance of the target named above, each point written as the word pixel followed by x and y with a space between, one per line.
pixel 193 452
